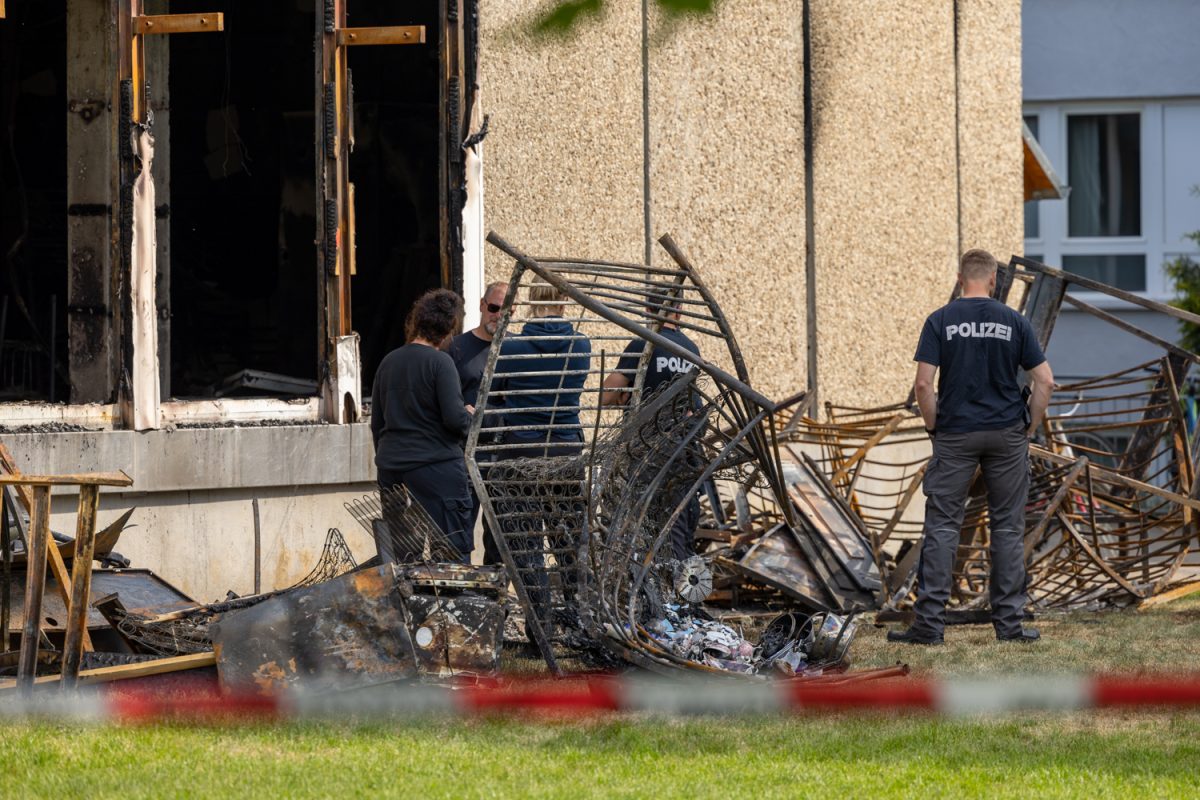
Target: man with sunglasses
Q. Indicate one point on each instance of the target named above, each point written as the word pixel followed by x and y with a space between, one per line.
pixel 470 352
pixel 469 349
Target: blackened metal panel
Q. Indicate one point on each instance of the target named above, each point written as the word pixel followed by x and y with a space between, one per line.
pixel 456 635
pixel 835 526
pixel 776 560
pixel 347 632
pixel 140 590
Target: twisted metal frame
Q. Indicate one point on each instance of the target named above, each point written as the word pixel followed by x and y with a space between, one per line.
pixel 582 530
pixel 1104 525
pixel 1107 522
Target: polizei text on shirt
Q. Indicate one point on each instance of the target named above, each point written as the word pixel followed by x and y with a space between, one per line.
pixel 979 330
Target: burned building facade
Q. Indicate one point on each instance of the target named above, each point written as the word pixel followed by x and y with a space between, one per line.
pixel 215 216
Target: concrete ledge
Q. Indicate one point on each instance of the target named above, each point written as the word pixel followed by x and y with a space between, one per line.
pixel 206 458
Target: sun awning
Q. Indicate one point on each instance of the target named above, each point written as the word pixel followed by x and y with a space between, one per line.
pixel 1041 181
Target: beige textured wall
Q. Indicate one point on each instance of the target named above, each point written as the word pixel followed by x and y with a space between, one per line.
pixel 989 37
pixel 884 188
pixel 727 179
pixel 564 163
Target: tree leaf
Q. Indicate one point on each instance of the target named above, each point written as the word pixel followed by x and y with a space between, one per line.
pixel 562 17
pixel 686 6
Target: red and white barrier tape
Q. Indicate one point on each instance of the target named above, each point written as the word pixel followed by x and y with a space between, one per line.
pixel 952 697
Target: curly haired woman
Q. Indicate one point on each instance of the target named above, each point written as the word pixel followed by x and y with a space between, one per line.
pixel 419 420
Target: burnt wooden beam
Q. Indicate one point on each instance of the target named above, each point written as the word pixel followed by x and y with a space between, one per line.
pixel 118 478
pixel 335 237
pixel 35 584
pixel 1112 291
pixel 81 583
pixel 141 669
pixel 398 34
pixel 147 25
pixel 92 247
pixel 451 188
pixel 25 494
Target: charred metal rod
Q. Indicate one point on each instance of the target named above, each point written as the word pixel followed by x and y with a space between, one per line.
pixel 677 255
pixel 569 264
pixel 257 550
pixel 600 309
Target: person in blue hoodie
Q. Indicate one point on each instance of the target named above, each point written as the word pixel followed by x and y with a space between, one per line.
pixel 548 406
pixel 547 361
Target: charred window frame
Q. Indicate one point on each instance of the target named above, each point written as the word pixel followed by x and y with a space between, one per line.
pixel 106 108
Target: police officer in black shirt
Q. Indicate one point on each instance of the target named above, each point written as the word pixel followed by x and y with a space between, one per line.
pixel 977 418
pixel 662 367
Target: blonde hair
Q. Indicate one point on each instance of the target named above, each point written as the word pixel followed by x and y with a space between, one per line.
pixel 977 265
pixel 549 300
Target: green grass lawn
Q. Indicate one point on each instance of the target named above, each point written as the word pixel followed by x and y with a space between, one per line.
pixel 1087 755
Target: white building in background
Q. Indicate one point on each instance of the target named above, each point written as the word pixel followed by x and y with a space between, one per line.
pixel 1112 93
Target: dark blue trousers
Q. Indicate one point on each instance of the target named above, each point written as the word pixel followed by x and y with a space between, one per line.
pixel 442 490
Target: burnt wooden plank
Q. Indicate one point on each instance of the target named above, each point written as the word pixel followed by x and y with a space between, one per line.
pixel 396 34
pixel 35 584
pixel 81 583
pixel 154 24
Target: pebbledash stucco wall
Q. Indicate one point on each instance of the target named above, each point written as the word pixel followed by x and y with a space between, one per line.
pixel 893 162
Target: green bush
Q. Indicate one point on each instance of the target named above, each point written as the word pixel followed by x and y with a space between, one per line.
pixel 1186 274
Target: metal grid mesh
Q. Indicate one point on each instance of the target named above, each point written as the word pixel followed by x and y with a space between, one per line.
pixel 582 484
pixel 1109 518
pixel 402 529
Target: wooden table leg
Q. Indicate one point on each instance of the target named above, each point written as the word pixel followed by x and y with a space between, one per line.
pixel 35 584
pixel 81 583
pixel 62 579
pixel 5 571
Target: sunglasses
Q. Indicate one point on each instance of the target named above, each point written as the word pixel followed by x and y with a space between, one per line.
pixel 493 308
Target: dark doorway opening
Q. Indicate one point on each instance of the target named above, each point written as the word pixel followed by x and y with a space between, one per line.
pixel 243 272
pixel 33 201
pixel 394 169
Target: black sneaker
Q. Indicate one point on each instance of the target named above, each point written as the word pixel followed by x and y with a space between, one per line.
pixel 912 636
pixel 1022 635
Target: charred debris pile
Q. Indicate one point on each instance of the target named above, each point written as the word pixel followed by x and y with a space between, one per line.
pixel 806 520
pixel 803 516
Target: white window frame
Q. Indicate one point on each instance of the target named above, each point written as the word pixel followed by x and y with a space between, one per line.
pixel 1053 242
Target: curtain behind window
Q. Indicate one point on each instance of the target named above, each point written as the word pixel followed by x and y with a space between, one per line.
pixel 1104 170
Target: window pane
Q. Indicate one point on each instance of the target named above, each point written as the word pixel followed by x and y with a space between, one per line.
pixel 1123 272
pixel 1105 172
pixel 1031 208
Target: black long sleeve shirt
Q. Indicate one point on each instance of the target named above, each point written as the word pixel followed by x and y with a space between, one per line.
pixel 417 411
